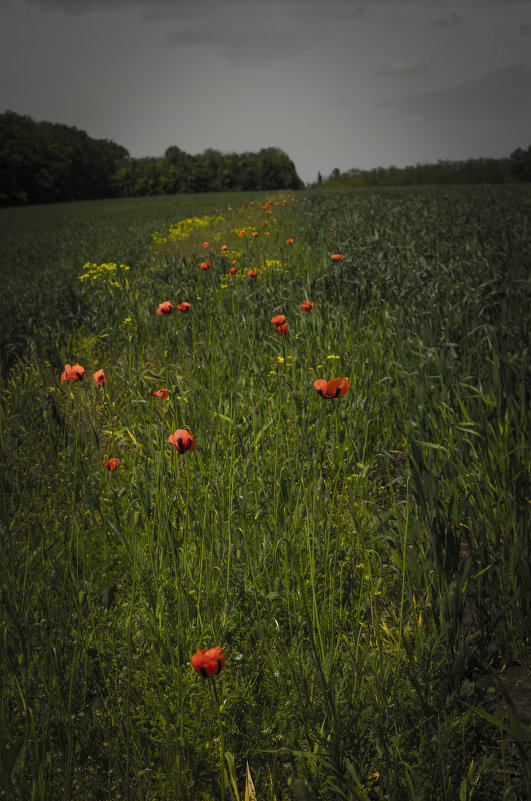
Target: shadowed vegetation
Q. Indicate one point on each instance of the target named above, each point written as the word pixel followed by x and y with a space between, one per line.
pixel 360 554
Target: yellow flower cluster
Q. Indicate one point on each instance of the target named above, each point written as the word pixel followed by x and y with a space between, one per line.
pixel 184 228
pixel 95 272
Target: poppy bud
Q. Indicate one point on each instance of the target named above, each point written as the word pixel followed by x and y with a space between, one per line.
pixel 208 662
pixel 165 308
pixel 73 372
pixel 182 440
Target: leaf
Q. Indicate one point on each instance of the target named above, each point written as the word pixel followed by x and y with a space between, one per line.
pixel 232 776
pixel 250 793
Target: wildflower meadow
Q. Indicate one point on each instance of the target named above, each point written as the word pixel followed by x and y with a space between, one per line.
pixel 265 521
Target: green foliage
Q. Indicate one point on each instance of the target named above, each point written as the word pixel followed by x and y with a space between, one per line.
pixel 445 172
pixel 42 162
pixel 362 560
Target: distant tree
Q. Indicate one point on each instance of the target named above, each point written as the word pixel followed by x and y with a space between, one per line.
pixel 520 164
pixel 43 161
pixel 483 170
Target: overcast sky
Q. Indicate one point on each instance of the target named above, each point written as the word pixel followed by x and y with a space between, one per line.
pixel 334 83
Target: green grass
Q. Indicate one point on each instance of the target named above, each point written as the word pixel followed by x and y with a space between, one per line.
pixel 363 561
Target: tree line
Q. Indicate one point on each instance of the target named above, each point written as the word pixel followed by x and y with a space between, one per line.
pixel 516 167
pixel 43 162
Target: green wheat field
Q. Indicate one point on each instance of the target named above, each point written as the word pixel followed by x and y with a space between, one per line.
pixel 362 561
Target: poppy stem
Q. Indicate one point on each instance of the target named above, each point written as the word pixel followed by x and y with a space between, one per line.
pixel 222 740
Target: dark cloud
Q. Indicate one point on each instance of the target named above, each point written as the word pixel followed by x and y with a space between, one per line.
pixel 525 30
pixel 155 7
pixel 494 99
pixel 451 21
pixel 238 44
pixel 274 29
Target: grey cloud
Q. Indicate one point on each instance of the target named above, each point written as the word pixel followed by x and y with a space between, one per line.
pixel 76 7
pixel 402 67
pixel 152 8
pixel 249 45
pixel 156 9
pixel 452 21
pixel 276 30
pixel 525 30
pixel 495 99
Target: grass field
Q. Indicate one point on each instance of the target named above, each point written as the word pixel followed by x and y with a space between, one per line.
pixel 362 560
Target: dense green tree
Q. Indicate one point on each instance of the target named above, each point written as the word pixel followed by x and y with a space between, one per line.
pixel 471 171
pixel 521 164
pixel 43 161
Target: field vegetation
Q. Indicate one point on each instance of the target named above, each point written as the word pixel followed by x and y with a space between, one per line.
pixel 359 553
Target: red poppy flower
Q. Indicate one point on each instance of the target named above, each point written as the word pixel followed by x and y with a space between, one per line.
pixel 112 465
pixel 336 257
pixel 73 372
pixel 289 241
pixel 99 377
pixel 307 305
pixel 332 389
pixel 208 662
pixel 182 440
pixel 205 244
pixel 224 247
pixel 241 233
pixel 160 393
pixel 282 329
pixel 234 261
pixel 279 319
pixel 165 308
pixel 184 306
pixel 206 265
pixel 252 273
pixel 232 270
pixel 255 233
